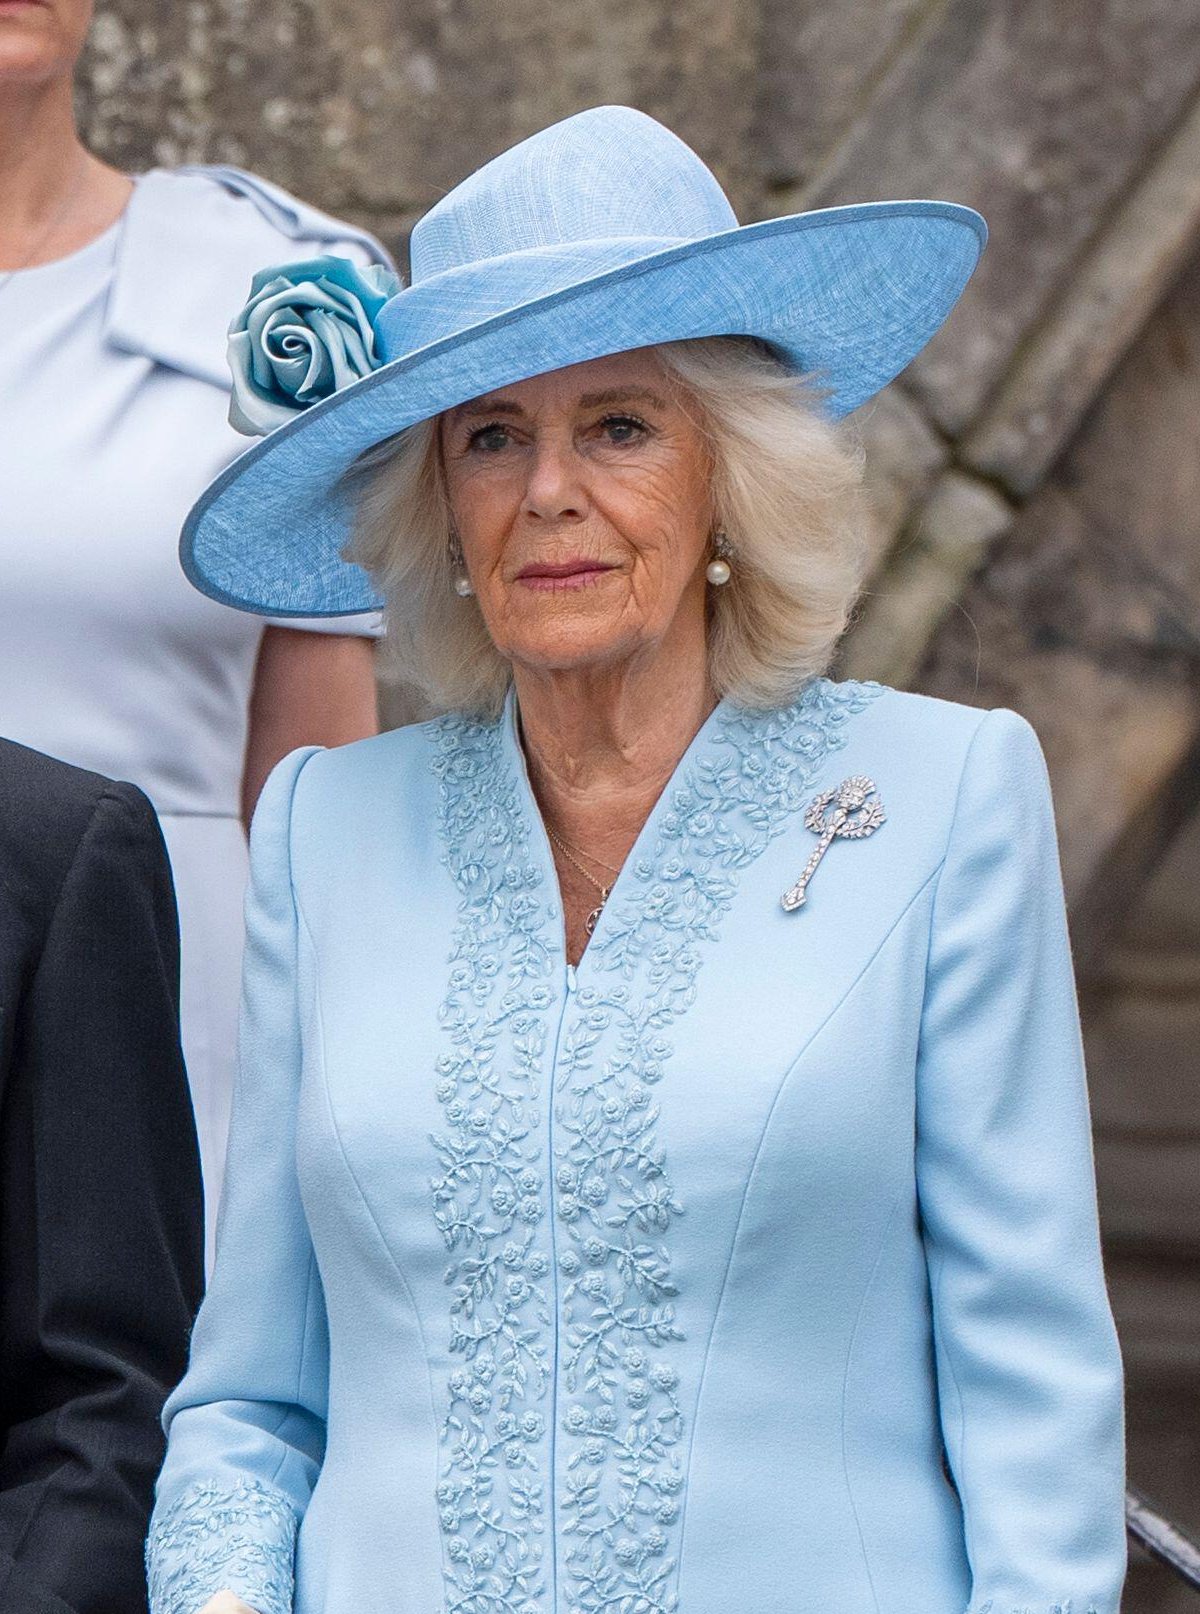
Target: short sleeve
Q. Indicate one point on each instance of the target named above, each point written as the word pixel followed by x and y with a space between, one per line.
pixel 363 625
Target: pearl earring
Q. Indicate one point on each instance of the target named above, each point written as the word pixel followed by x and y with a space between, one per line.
pixel 718 571
pixel 462 583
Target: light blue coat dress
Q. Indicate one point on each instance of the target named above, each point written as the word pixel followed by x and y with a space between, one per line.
pixel 665 1282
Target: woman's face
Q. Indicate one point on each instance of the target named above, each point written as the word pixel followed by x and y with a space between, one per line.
pixel 41 39
pixel 582 502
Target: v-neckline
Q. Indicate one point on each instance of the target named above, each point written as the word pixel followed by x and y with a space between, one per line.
pixel 638 852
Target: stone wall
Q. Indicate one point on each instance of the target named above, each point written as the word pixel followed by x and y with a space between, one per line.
pixel 373 108
pixel 1035 478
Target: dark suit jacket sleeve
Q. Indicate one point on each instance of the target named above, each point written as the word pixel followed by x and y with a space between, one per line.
pixel 101 1261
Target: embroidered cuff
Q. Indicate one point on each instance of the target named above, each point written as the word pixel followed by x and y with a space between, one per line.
pixel 211 1539
pixel 1067 1607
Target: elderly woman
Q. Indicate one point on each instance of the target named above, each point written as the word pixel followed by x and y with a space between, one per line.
pixel 660 1178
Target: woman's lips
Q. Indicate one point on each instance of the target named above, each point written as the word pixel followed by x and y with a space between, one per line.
pixel 564 574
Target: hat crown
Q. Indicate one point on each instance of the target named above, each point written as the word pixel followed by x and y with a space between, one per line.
pixel 609 173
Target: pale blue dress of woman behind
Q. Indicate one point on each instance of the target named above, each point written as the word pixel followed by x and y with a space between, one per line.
pixel 116 397
pixel 752 1264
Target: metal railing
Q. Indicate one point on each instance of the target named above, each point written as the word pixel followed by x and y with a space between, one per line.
pixel 1162 1539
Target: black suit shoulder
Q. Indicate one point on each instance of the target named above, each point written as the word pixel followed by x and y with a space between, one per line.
pixel 46 810
pixel 62 795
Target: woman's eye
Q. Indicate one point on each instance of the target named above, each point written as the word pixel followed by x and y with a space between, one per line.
pixel 489 439
pixel 623 428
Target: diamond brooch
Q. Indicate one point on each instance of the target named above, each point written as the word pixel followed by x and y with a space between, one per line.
pixel 850 812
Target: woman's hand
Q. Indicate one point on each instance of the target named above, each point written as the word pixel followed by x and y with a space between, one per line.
pixel 226 1603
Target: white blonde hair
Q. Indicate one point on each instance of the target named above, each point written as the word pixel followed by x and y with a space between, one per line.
pixel 785 489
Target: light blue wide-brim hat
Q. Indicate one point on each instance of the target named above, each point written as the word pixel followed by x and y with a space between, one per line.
pixel 601 234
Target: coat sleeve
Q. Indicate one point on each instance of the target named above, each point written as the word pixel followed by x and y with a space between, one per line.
pixel 1029 1375
pixel 101 1257
pixel 246 1427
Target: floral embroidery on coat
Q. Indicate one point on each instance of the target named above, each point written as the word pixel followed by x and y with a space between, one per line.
pixel 1057 1608
pixel 607 1318
pixel 490 1195
pixel 239 1538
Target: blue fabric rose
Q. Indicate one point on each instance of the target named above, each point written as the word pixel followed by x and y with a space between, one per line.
pixel 307 330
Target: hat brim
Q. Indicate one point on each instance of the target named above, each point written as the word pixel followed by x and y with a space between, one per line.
pixel 849 295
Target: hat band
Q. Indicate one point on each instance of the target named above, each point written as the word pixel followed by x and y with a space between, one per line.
pixel 456 299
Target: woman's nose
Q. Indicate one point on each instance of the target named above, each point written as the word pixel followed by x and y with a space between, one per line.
pixel 554 491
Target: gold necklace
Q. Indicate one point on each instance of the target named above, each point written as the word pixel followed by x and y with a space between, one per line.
pixel 593 918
